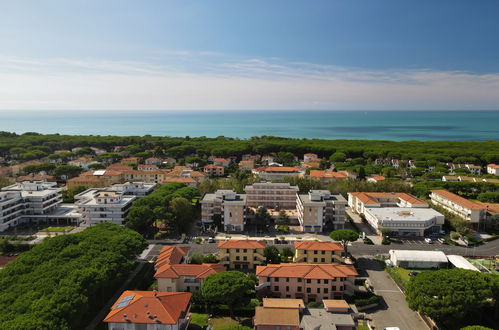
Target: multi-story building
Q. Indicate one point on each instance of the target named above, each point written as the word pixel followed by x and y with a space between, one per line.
pixel 473 169
pixel 327 176
pixel 138 189
pixel 359 201
pixel 184 277
pixel 157 176
pixel 97 179
pixel 153 161
pixel 147 167
pixel 103 205
pixel 28 202
pixel 317 252
pixel 493 169
pixel 466 209
pixel 247 165
pixel 310 282
pixel 271 195
pixel 276 173
pixel 142 310
pixel 241 254
pixel 226 204
pixel 221 162
pixel 308 157
pixel 319 208
pixel 214 170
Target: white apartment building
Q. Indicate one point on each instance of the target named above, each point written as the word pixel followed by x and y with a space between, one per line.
pixel 103 205
pixel 27 202
pixel 138 189
pixel 271 195
pixel 276 173
pixel 227 204
pixel 405 221
pixel 466 209
pixel 493 169
pixel 319 208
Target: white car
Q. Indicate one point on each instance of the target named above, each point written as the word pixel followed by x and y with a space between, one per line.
pixel 428 240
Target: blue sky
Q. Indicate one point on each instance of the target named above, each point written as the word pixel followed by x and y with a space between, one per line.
pixel 351 54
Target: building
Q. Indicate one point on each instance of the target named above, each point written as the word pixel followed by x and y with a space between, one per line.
pixel 97 179
pixel 473 169
pixel 466 209
pixel 103 205
pixel 277 318
pixel 221 162
pixel 130 161
pixel 157 176
pixel 119 167
pixel 317 252
pixel 317 318
pixel 147 167
pixel 405 221
pixel 189 182
pixel 358 201
pixel 153 161
pixel 184 277
pixel 226 205
pixel 493 169
pixel 28 202
pixel 310 282
pixel 140 310
pixel 138 189
pixel 271 195
pixel 83 162
pixel 241 254
pixel 309 157
pixel 36 177
pixel 327 176
pixel 172 254
pixel 214 170
pixel 376 179
pixel 276 173
pixel 319 209
pixel 417 259
pixel 247 165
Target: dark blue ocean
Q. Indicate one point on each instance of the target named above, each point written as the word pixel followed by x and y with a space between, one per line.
pixel 382 125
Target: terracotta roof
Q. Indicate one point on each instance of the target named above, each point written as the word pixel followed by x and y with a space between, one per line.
pixel 241 244
pixel 212 166
pixel 458 200
pixel 223 160
pixel 279 169
pixel 492 208
pixel 153 158
pixel 335 303
pixel 493 166
pixel 370 197
pixel 307 271
pixel 166 306
pixel 327 174
pixel 319 246
pixel 277 316
pixel 178 270
pixel 283 303
pixel 246 162
pixel 378 178
pixel 147 166
pixel 310 154
pixel 119 167
pixel 36 177
pixel 171 255
pixel 85 179
pixel 311 164
pixel 180 180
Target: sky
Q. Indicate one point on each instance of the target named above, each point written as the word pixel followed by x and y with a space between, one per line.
pixel 230 55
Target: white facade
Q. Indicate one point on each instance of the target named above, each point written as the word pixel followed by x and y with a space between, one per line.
pixel 318 208
pixel 459 206
pixel 493 169
pixel 229 205
pixel 418 259
pixel 359 201
pixel 271 195
pixel 138 189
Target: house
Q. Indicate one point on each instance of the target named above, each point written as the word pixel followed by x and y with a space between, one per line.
pixel 251 157
pixel 376 179
pixel 138 189
pixel 157 176
pixel 130 161
pixel 83 162
pixel 310 282
pixel 228 206
pixel 153 161
pixel 271 195
pixel 493 169
pixel 189 182
pixel 417 259
pixel 169 161
pixel 327 176
pixel 184 277
pixel 317 252
pixel 471 211
pixel 277 173
pixel 309 156
pixel 147 167
pixel 358 201
pixel 214 170
pixel 97 179
pixel 138 310
pixel 277 318
pixel 318 318
pixel 246 165
pixel 241 254
pixel 172 254
pixel 318 209
pixel 473 169
pixel 221 162
pixel 36 177
pixel 119 167
pixel 98 151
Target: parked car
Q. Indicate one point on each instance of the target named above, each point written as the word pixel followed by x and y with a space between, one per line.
pixel 428 240
pixel 413 273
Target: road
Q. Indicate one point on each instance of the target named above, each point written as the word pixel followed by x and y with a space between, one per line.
pixel 394 311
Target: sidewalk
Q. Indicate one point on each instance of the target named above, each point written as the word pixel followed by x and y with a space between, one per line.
pixel 364 227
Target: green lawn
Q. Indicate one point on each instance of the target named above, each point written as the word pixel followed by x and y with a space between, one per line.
pixel 55 229
pixel 203 320
pixel 199 319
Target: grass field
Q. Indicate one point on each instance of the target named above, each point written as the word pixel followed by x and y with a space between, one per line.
pixel 203 320
pixel 56 229
pixel 484 263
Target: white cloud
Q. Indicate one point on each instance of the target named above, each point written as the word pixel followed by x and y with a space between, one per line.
pixel 205 80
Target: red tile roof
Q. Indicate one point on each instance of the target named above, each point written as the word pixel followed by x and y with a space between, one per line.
pixel 171 255
pixel 150 307
pixel 241 244
pixel 307 271
pixel 458 200
pixel 198 271
pixel 370 197
pixel 319 246
pixel 119 167
pixel 213 166
pixel 327 174
pixel 493 166
pixel 279 169
pixel 179 179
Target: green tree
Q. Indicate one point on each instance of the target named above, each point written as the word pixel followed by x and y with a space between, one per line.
pixel 489 197
pixel 272 255
pixel 231 288
pixel 282 218
pixel 449 296
pixel 263 218
pixel 287 254
pixel 67 170
pixel 344 236
pixel 338 157
pixel 183 214
pixel 475 327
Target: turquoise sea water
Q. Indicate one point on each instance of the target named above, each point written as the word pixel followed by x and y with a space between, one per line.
pixel 385 125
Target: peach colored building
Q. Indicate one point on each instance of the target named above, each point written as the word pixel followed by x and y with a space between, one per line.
pixel 327 176
pixel 317 252
pixel 319 209
pixel 241 254
pixel 247 165
pixel 226 204
pixel 147 167
pixel 214 170
pixel 184 277
pixel 310 282
pixel 271 195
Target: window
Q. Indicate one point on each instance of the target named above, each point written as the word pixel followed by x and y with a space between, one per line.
pixel 245 250
pixel 304 259
pixel 237 257
pixel 326 281
pixel 309 281
pixel 299 289
pixel 323 260
pixel 287 288
pixel 299 280
pixel 287 279
pixel 237 250
pixel 315 252
pixel 309 290
pixel 323 252
pixel 276 288
pixel 334 287
pixel 276 279
pixel 245 258
pixel 268 279
pixel 315 259
pixel 318 281
pixel 318 290
pixel 326 290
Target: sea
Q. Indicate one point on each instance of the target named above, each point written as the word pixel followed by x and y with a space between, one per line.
pixel 378 125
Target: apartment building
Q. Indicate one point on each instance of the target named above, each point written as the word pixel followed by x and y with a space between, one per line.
pixel 226 204
pixel 327 176
pixel 147 167
pixel 153 161
pixel 319 208
pixel 140 310
pixel 221 162
pixel 317 252
pixel 359 201
pixel 97 179
pixel 157 176
pixel 309 157
pixel 241 254
pixel 276 173
pixel 138 189
pixel 271 195
pixel 247 165
pixel 473 169
pixel 184 277
pixel 493 169
pixel 214 170
pixel 103 205
pixel 12 208
pixel 466 209
pixel 310 282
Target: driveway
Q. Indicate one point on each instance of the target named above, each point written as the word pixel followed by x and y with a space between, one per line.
pixel 394 311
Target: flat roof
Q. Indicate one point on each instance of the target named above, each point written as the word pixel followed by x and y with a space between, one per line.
pixel 418 255
pixel 403 213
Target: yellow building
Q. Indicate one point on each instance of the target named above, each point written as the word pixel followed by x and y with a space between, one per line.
pixel 317 252
pixel 241 254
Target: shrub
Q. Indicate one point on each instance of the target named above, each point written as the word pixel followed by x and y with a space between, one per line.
pixel 368 301
pixel 386 241
pixel 368 241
